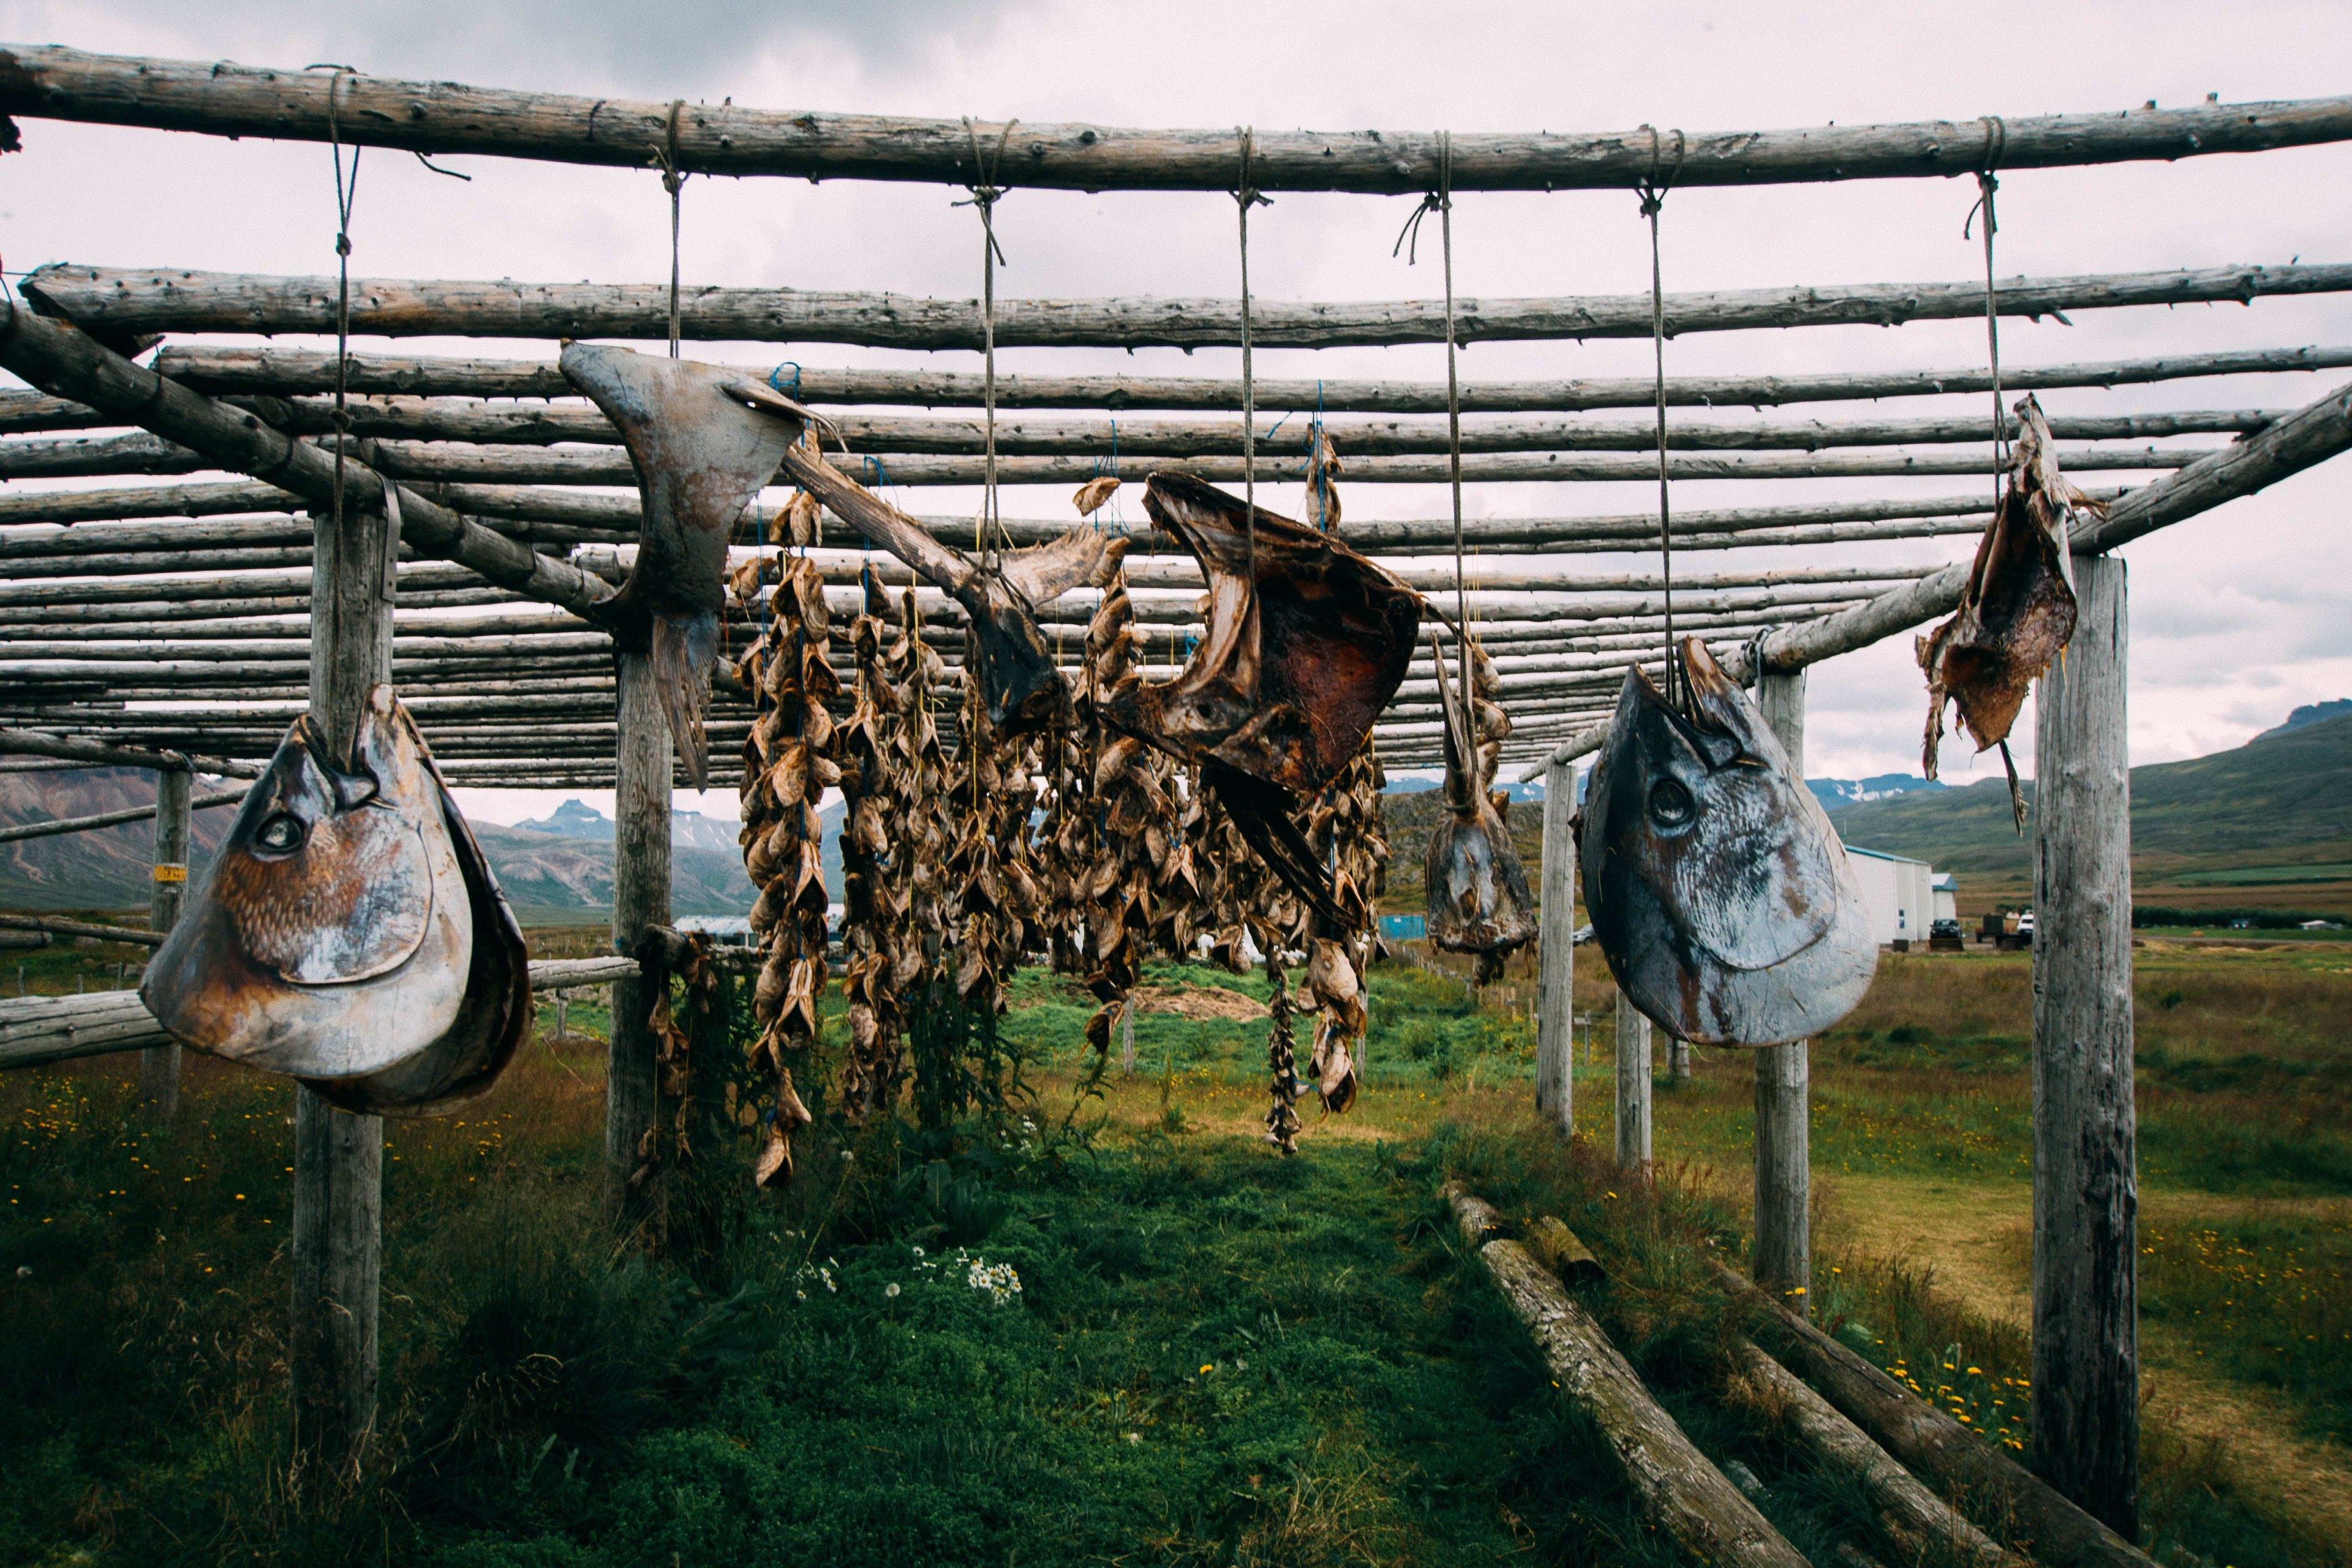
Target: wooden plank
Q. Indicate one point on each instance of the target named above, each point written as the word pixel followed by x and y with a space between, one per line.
pixel 1555 956
pixel 641 866
pixel 1782 1258
pixel 1679 1489
pixel 125 301
pixel 225 98
pixel 1633 1089
pixel 273 370
pixel 2085 1172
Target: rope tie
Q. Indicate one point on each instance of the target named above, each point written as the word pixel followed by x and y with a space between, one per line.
pixel 1653 192
pixel 985 193
pixel 665 158
pixel 347 191
pixel 1996 144
pixel 1245 196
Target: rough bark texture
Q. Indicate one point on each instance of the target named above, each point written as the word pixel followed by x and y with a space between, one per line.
pixel 1632 1087
pixel 1556 955
pixel 159 1066
pixel 640 901
pixel 1679 1487
pixel 123 302
pixel 1782 1256
pixel 1921 1523
pixel 1936 1448
pixel 2085 1173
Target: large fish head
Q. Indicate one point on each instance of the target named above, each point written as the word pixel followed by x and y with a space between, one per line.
pixel 330 935
pixel 1712 874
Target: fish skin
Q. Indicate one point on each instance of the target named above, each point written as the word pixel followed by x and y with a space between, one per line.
pixel 1727 913
pixel 702 452
pixel 1479 900
pixel 377 959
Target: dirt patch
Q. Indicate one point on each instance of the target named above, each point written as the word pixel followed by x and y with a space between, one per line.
pixel 1198 1002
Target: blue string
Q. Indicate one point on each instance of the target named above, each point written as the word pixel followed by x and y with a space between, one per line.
pixel 794 389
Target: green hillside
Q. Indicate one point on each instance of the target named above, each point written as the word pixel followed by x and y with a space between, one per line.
pixel 2277 810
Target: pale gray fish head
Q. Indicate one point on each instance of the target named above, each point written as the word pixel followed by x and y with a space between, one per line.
pixel 1717 889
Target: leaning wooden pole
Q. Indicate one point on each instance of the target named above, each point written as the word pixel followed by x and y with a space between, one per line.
pixel 2085 1172
pixel 221 98
pixel 1782 1256
pixel 339 1157
pixel 641 865
pixel 159 1066
pixel 1556 954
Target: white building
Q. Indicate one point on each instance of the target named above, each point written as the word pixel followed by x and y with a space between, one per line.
pixel 1900 894
pixel 1946 891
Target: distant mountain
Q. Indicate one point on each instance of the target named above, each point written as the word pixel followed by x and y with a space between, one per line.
pixel 1836 792
pixel 2310 714
pixel 2287 788
pixel 578 819
pixel 106 868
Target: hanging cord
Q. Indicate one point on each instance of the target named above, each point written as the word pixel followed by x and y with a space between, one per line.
pixel 984 193
pixel 1996 144
pixel 347 191
pixel 1245 196
pixel 665 158
pixel 1654 198
pixel 1441 201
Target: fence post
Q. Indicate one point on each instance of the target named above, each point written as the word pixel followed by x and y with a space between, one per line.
pixel 1556 954
pixel 2086 1176
pixel 339 1157
pixel 1782 1256
pixel 159 1066
pixel 640 900
pixel 1632 1087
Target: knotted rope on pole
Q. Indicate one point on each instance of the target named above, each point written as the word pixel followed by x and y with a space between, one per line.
pixel 665 158
pixel 1654 200
pixel 1996 144
pixel 346 192
pixel 1247 195
pixel 985 193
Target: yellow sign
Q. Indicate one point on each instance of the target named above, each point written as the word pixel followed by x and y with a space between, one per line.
pixel 170 873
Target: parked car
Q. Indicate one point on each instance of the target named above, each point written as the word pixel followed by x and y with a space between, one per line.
pixel 1944 928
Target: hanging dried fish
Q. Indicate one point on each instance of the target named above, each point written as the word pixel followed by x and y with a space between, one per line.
pixel 1094 494
pixel 877 891
pixel 1306 642
pixel 2018 609
pixel 1478 898
pixel 1718 890
pixel 704 440
pixel 350 932
pixel 1332 985
pixel 1323 465
pixel 1282 1060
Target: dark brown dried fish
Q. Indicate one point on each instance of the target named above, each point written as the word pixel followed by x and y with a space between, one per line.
pixel 350 932
pixel 2018 609
pixel 1306 642
pixel 1718 890
pixel 1478 900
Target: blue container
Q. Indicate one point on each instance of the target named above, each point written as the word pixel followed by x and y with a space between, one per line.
pixel 1405 928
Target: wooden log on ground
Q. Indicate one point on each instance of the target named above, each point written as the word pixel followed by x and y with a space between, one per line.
pixel 1555 956
pixel 125 302
pixel 224 99
pixel 1920 1521
pixel 2085 1166
pixel 1782 1256
pixel 1558 1249
pixel 1937 1449
pixel 270 370
pixel 1679 1488
pixel 159 1066
pixel 75 364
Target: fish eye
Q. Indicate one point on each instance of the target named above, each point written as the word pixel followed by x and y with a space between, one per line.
pixel 1670 803
pixel 280 833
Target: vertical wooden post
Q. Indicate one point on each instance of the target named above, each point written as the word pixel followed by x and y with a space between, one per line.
pixel 2086 1176
pixel 640 900
pixel 1126 1039
pixel 159 1066
pixel 1678 1062
pixel 1632 1087
pixel 339 1157
pixel 1782 1258
pixel 1556 954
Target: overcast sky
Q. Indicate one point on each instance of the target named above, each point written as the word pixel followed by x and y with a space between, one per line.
pixel 2237 616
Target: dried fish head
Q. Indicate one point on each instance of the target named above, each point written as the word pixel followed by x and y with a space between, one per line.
pixel 350 932
pixel 1718 890
pixel 1477 889
pixel 704 439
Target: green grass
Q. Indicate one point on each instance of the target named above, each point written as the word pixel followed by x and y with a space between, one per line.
pixel 2266 1301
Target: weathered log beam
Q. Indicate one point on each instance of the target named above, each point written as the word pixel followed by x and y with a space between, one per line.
pixel 74 365
pixel 32 743
pixel 131 302
pixel 271 370
pixel 82 928
pixel 224 99
pixel 109 818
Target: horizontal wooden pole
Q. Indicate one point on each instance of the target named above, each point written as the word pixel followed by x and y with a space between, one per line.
pixel 81 928
pixel 224 99
pixel 32 743
pixel 74 365
pixel 270 370
pixel 109 818
pixel 123 302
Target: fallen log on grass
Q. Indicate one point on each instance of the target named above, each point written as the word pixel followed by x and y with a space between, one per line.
pixel 1933 1446
pixel 1680 1489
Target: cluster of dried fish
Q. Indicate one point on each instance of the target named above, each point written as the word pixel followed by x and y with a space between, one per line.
pixel 1718 890
pixel 674 1064
pixel 989 796
pixel 789 762
pixel 2018 608
pixel 350 932
pixel 1478 901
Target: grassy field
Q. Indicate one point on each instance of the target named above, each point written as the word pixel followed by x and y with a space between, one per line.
pixel 1213 1355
